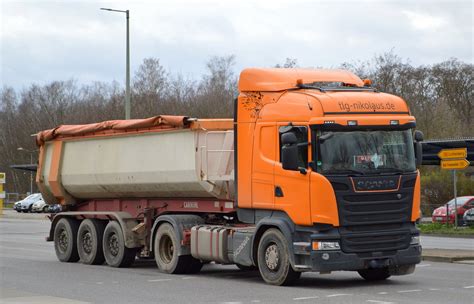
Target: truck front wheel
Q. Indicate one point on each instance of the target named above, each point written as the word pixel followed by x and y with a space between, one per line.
pixel 65 235
pixel 113 243
pixel 89 241
pixel 274 259
pixel 374 274
pixel 166 247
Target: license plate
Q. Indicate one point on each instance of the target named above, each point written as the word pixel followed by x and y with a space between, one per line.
pixel 440 218
pixel 469 217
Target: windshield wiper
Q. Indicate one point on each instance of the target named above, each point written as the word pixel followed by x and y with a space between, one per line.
pixel 343 171
pixel 382 170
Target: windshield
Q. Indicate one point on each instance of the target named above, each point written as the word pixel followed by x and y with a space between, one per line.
pixel 366 152
pixel 460 201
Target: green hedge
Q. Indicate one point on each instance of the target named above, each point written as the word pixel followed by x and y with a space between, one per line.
pixel 437 188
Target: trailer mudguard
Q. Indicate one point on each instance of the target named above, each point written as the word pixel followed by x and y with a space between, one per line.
pixel 180 223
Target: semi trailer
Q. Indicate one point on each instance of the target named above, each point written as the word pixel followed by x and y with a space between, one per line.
pixel 317 171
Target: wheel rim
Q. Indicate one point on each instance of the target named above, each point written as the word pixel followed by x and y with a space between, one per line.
pixel 166 249
pixel 113 242
pixel 63 240
pixel 272 257
pixel 87 242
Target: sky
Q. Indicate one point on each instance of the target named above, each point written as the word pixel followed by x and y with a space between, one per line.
pixel 43 41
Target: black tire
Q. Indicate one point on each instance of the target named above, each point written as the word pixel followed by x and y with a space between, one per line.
pixel 274 259
pixel 89 241
pixel 247 268
pixel 166 255
pixel 65 235
pixel 45 209
pixel 113 244
pixel 195 265
pixel 30 208
pixel 375 274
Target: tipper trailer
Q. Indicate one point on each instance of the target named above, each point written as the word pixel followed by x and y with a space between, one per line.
pixel 316 172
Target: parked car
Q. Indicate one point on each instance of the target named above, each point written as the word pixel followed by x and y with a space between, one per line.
pixel 468 217
pixel 40 206
pixel 54 208
pixel 27 203
pixel 17 206
pixel 463 202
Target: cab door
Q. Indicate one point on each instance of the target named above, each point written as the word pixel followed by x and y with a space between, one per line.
pixel 292 187
pixel 263 162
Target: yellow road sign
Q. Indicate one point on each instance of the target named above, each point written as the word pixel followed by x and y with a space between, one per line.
pixel 453 153
pixel 454 164
pixel 2 177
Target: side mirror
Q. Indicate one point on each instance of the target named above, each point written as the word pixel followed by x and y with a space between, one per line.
pixel 418 153
pixel 288 138
pixel 289 157
pixel 418 135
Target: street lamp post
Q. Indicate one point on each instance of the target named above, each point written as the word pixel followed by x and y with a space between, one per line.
pixel 31 163
pixel 127 69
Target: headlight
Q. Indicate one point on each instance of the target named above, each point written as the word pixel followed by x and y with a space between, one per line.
pixel 324 245
pixel 415 240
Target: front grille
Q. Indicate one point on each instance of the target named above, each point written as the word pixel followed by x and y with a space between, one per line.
pixel 374 221
pixel 375 241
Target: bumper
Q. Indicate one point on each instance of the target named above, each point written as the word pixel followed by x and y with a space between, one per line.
pixel 333 260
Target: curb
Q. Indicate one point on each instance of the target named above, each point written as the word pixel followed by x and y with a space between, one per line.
pixel 448 255
pixel 24 217
pixel 444 259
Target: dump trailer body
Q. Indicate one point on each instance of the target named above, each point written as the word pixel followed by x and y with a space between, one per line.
pixel 185 161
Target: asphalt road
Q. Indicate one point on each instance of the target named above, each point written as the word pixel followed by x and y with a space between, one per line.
pixel 30 273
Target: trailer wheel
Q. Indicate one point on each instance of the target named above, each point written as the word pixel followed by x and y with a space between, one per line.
pixel 65 235
pixel 274 259
pixel 115 252
pixel 89 241
pixel 375 274
pixel 166 253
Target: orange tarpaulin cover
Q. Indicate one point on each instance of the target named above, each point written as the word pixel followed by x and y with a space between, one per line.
pixel 162 121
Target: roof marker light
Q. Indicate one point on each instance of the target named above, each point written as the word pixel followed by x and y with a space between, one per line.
pixel 329 122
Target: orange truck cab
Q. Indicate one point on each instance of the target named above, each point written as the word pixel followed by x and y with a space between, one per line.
pixel 331 162
pixel 317 172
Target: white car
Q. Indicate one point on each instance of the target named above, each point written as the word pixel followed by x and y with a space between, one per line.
pixel 40 206
pixel 26 205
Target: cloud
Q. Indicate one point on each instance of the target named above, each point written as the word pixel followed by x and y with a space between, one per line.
pixel 422 21
pixel 47 40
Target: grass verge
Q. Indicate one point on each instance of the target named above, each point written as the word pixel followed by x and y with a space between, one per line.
pixel 438 228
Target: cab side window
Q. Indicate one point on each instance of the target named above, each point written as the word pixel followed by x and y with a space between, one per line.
pixel 301 134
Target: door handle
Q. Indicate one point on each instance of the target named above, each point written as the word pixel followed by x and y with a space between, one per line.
pixel 278 191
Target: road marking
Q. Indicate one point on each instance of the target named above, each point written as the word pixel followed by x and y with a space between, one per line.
pixel 411 290
pixel 99 283
pixel 159 280
pixel 423 265
pixel 338 295
pixel 468 287
pixel 434 289
pixel 188 278
pixel 255 301
pixel 382 293
pixel 305 298
pixel 380 302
